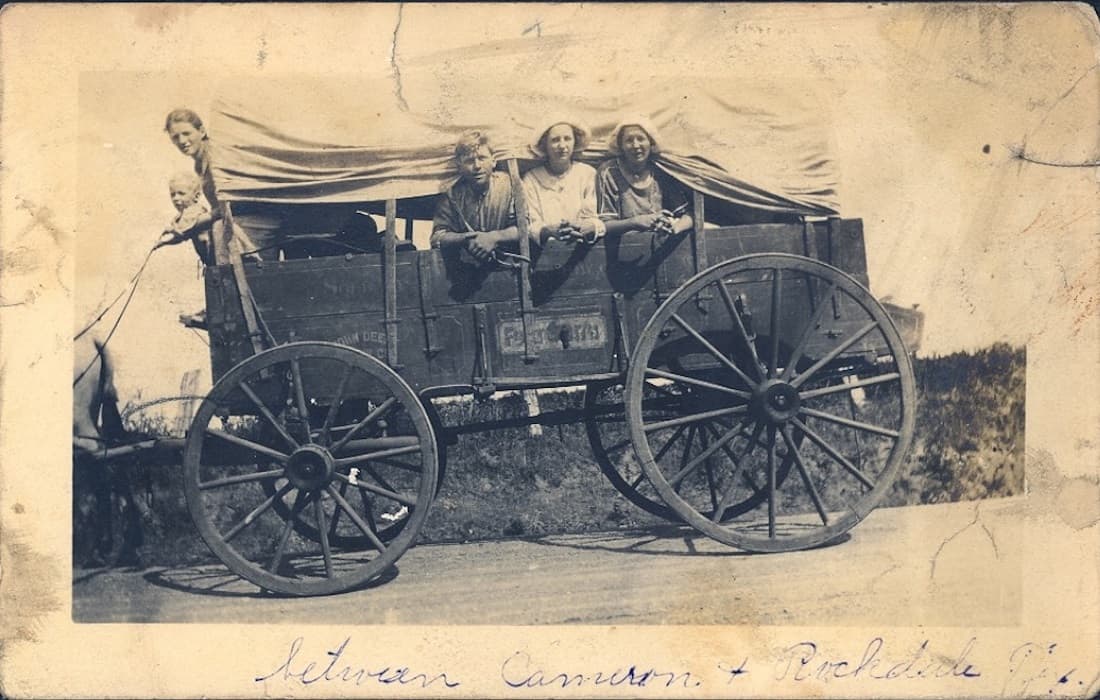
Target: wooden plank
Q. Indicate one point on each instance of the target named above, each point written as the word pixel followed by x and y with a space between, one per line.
pixel 483 368
pixel 188 386
pixel 528 311
pixel 427 306
pixel 699 244
pixel 698 210
pixel 220 231
pixel 332 285
pixel 244 295
pixel 390 280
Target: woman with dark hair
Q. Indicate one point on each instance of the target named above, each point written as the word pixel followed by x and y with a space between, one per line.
pixel 561 193
pixel 632 194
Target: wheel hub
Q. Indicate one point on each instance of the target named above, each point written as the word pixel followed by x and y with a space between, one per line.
pixel 310 467
pixel 776 401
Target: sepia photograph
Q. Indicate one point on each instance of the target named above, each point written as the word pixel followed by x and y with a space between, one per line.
pixel 568 350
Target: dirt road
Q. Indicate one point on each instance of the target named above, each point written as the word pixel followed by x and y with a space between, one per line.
pixel 952 564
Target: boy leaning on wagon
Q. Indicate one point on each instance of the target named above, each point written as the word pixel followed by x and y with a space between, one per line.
pixel 478 211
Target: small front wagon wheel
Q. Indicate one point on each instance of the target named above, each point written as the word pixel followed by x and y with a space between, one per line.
pixel 292 494
pixel 791 366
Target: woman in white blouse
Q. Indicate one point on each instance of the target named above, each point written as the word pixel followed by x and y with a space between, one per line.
pixel 561 194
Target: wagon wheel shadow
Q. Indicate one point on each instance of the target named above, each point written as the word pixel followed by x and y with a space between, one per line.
pixel 89 573
pixel 216 581
pixel 643 538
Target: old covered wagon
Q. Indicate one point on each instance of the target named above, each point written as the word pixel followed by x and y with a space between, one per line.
pixel 719 365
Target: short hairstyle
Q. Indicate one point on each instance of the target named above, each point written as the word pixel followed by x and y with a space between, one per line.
pixel 580 137
pixel 469 142
pixel 187 177
pixel 614 139
pixel 183 115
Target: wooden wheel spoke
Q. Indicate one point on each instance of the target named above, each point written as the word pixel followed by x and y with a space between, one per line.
pixel 368 456
pixel 727 496
pixel 363 527
pixel 300 501
pixel 771 481
pixel 744 448
pixel 721 504
pixel 833 453
pixel 255 513
pixel 695 418
pixel 805 475
pixel 301 536
pixel 807 332
pixel 870 381
pixel 751 444
pixel 740 432
pixel 267 415
pixel 832 354
pixel 719 442
pixel 337 401
pixel 711 486
pixel 686 453
pixel 718 354
pixel 241 479
pixel 744 423
pixel 754 441
pixel 381 481
pixel 724 501
pixel 370 418
pixel 300 395
pixel 665 448
pixel 248 445
pixel 392 495
pixel 848 422
pixel 740 325
pixel 697 382
pixel 364 498
pixel 777 296
pixel 322 529
pixel 336 512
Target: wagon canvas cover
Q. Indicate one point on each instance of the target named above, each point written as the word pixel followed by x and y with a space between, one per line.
pixel 756 143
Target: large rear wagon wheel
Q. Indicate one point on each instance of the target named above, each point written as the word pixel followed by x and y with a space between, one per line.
pixel 290 496
pixel 605 421
pixel 783 397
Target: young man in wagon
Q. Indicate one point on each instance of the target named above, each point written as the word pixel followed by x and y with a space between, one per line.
pixel 478 211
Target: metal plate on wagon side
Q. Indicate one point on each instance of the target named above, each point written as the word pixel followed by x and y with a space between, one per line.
pixel 575 331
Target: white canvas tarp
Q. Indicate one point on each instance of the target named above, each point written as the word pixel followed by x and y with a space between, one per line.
pixel 352 138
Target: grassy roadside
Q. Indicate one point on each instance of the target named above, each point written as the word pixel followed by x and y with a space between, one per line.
pixel 969 445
